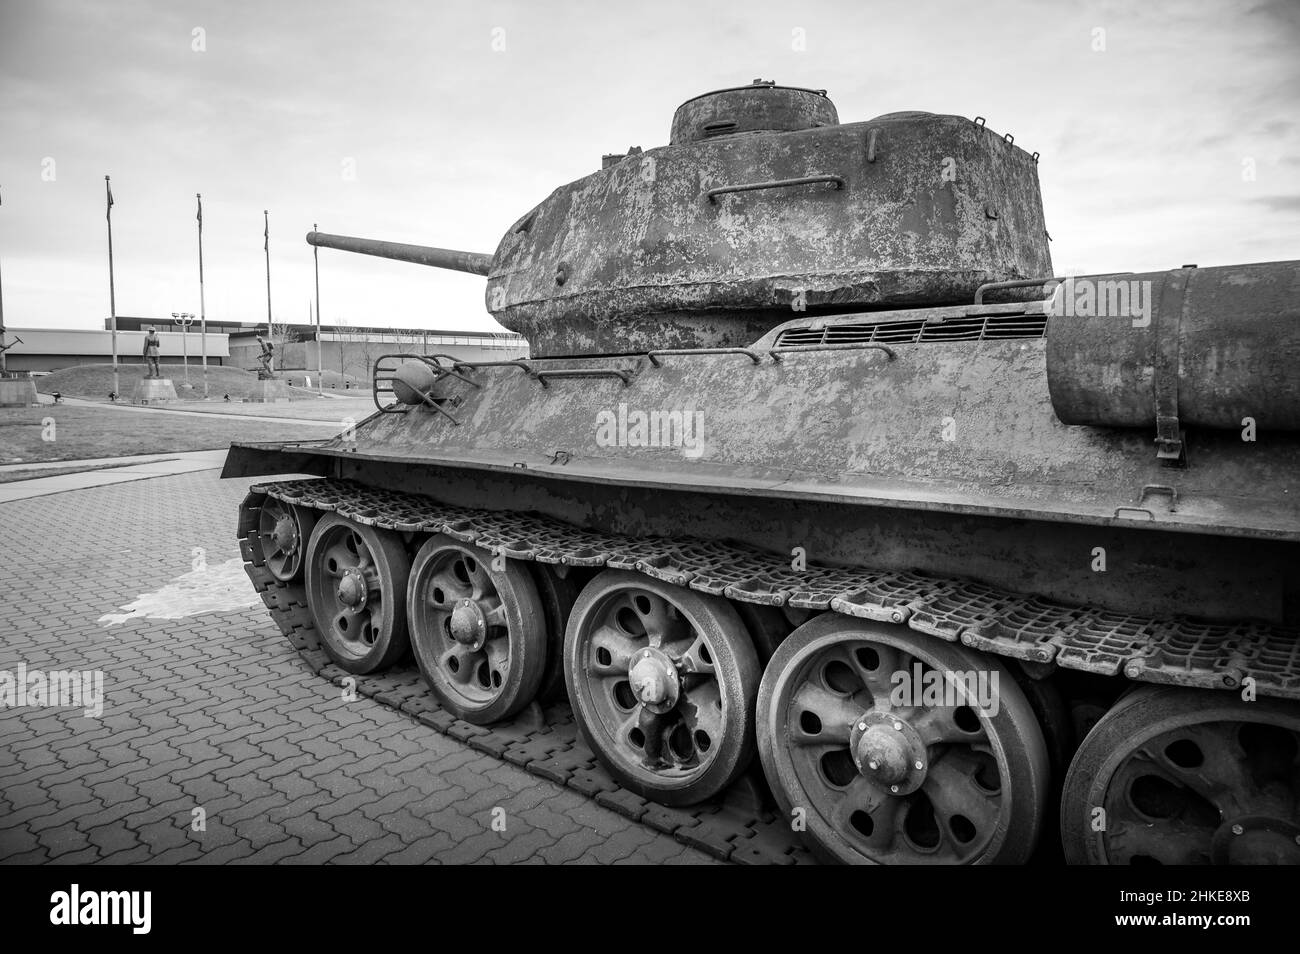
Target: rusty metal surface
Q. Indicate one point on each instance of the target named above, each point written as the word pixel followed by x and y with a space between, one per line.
pixel 762 205
pixel 1168 651
pixel 610 262
pixel 759 107
pixel 963 428
pixel 1220 344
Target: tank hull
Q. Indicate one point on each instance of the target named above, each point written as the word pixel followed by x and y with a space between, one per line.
pixel 892 458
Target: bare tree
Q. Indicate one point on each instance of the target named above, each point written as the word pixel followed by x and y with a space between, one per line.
pixel 280 333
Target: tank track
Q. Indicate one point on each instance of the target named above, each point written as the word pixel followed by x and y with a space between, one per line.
pixel 742 827
pixel 1171 651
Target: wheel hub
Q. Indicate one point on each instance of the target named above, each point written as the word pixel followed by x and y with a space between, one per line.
pixel 654 680
pixel 285 534
pixel 889 751
pixel 468 624
pixel 353 589
pixel 1256 839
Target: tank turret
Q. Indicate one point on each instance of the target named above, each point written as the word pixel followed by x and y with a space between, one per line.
pixel 761 206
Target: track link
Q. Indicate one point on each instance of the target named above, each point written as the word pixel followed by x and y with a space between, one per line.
pixel 1171 651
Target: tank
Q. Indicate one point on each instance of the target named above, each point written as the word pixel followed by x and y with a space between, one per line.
pixel 823 501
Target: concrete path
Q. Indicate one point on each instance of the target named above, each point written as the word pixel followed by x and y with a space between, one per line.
pixel 215 743
pixel 131 468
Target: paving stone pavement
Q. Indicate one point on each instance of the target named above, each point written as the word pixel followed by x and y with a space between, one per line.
pixel 216 712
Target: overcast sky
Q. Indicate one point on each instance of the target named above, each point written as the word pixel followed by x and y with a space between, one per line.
pixel 1146 144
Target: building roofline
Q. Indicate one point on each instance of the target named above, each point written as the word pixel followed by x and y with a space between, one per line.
pixel 246 327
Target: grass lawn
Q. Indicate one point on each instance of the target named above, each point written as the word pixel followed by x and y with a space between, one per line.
pixel 94 381
pixel 87 432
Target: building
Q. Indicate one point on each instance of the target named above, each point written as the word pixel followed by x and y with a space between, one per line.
pixel 342 348
pixel 352 350
pixel 48 349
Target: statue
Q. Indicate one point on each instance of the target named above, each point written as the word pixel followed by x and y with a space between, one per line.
pixel 152 344
pixel 266 372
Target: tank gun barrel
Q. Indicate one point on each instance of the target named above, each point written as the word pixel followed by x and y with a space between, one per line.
pixel 475 262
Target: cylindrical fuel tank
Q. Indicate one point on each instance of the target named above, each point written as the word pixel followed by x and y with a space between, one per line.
pixel 1212 346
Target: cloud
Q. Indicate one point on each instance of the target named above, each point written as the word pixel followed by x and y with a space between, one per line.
pixel 451 140
pixel 1287 204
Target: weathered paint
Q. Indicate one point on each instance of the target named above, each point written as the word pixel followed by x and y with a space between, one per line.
pixel 963 427
pixel 759 107
pixel 715 238
pixel 637 256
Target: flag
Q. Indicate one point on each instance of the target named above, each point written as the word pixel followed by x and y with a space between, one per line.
pixel 200 215
pixel 109 212
pixel 266 232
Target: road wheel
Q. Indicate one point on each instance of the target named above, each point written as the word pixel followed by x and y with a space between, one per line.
pixel 284 531
pixel 478 632
pixel 356 591
pixel 883 757
pixel 1175 776
pixel 662 681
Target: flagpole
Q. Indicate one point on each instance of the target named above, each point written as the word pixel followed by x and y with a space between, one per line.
pixel 203 311
pixel 112 294
pixel 3 349
pixel 266 246
pixel 320 366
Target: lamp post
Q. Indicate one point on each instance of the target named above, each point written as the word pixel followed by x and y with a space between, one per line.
pixel 184 319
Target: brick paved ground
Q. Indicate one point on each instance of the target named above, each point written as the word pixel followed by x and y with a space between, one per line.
pixel 217 712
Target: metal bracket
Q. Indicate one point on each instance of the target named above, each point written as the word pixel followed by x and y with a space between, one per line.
pixel 837 181
pixel 777 352
pixel 1170 447
pixel 656 357
pixel 624 376
pixel 540 376
pixel 1018 283
pixel 1148 489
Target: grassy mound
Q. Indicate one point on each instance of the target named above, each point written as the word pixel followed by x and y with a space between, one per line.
pixel 81 432
pixel 94 381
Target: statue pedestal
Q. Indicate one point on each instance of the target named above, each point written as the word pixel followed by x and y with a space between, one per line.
pixel 268 390
pixel 153 390
pixel 17 392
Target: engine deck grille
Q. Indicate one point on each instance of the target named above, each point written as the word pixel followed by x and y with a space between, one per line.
pixel 964 328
